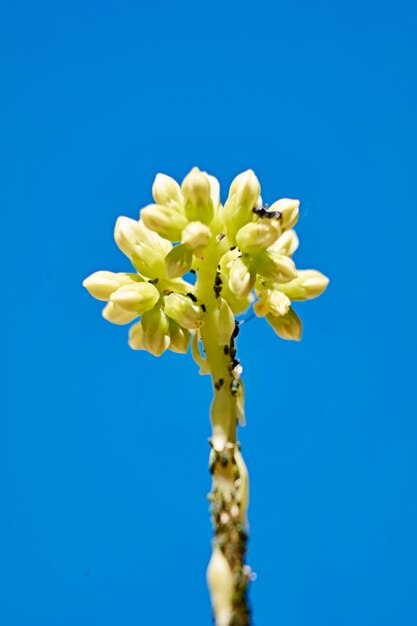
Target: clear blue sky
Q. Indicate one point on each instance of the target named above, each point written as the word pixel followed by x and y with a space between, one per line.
pixel 103 450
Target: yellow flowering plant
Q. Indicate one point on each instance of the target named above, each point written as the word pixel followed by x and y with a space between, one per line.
pixel 240 253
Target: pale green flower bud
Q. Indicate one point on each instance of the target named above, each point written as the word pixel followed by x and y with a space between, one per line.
pixel 102 284
pixel 166 190
pixel 178 261
pixel 197 356
pixel 308 284
pixel 214 190
pixel 241 277
pixel 180 337
pixel 135 336
pixel 246 189
pixel 221 584
pixel 288 209
pixel 272 301
pixel 116 315
pixel 182 309
pixel 197 195
pixel 146 261
pixel 243 197
pixel 276 267
pixel 257 236
pixel 288 326
pixel 278 303
pixel 226 323
pixel 287 244
pixel 133 238
pixel 196 235
pixel 139 297
pixel 155 337
pixel 164 220
pixel 127 234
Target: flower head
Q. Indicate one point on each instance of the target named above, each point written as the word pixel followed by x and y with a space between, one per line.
pixel 244 247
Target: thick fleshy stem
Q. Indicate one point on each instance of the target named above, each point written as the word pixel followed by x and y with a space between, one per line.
pixel 230 539
pixel 227 574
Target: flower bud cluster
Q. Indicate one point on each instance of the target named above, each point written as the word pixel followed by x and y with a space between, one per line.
pixel 249 244
pixel 162 300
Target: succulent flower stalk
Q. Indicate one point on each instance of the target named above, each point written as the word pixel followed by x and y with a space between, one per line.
pixel 241 256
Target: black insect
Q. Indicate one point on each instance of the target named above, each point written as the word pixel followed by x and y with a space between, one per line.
pixel 217 285
pixel 263 212
pixel 203 307
pixel 192 296
pixel 236 330
pixel 226 350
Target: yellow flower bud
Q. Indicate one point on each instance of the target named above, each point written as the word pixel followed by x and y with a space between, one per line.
pixel 214 190
pixel 139 297
pixel 272 301
pixel 275 267
pixel 135 336
pixel 241 277
pixel 127 234
pixel 155 326
pixel 132 237
pixel 288 326
pixel 166 190
pixel 287 244
pixel 116 315
pixel 146 261
pixel 243 197
pixel 178 261
pixel 196 235
pixel 257 236
pixel 182 309
pixel 180 337
pixel 197 195
pixel 102 284
pixel 221 585
pixel 238 305
pixel 246 189
pixel 164 220
pixel 278 303
pixel 288 209
pixel 308 284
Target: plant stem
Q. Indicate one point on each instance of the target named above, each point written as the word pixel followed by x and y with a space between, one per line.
pixel 228 576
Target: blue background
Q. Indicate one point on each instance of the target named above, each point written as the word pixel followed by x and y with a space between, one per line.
pixel 103 450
